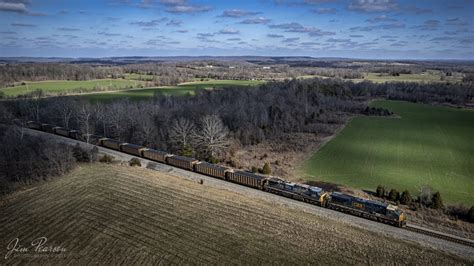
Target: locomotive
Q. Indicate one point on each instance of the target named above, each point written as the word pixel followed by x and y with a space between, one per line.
pixel 370 209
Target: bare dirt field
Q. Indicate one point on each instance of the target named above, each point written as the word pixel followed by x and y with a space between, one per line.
pixel 121 215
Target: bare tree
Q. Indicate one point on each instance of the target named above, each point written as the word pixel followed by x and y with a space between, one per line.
pixel 114 117
pixel 147 128
pixel 85 120
pixel 182 132
pixel 425 195
pixel 34 104
pixel 100 117
pixel 212 135
pixel 66 110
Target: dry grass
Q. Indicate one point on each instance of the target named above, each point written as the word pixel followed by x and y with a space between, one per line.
pixel 110 214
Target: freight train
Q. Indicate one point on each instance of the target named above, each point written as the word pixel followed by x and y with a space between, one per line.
pixel 370 209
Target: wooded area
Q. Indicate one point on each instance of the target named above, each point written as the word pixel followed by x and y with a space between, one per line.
pixel 210 123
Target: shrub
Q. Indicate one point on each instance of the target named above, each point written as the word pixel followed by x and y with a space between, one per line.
pixel 84 156
pixel 393 195
pixel 266 169
pixel 437 202
pixel 213 160
pixel 187 151
pixel 135 162
pixel 405 198
pixel 380 192
pixel 106 159
pixel 254 169
pixel 458 211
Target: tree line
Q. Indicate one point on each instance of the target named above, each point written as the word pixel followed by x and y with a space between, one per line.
pixel 426 198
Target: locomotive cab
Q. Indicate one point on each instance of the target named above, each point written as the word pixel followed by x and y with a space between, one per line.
pixel 395 213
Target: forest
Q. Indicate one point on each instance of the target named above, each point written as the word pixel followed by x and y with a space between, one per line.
pixel 212 123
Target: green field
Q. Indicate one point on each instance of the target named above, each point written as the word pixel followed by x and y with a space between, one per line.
pixel 422 77
pixel 188 88
pixel 427 146
pixel 64 86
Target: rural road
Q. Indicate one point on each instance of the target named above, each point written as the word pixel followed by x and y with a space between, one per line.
pixel 364 224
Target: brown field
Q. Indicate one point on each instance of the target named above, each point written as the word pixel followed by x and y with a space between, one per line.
pixel 106 214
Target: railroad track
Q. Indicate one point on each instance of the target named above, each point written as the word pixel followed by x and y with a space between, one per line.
pixel 455 239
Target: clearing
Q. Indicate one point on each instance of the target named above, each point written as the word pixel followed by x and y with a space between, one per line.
pixel 427 145
pixel 70 86
pixel 111 214
pixel 187 88
pixel 429 76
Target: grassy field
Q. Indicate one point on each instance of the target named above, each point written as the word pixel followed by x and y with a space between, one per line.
pixel 106 214
pixel 63 86
pixel 422 77
pixel 430 76
pixel 188 88
pixel 426 146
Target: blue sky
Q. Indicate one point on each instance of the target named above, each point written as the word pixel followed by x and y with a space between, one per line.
pixel 373 29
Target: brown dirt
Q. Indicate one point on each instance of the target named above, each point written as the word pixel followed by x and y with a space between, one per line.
pixel 285 155
pixel 112 214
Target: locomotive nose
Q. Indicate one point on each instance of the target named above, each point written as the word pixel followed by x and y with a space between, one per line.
pixel 402 217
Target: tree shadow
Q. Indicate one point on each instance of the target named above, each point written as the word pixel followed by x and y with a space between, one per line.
pixel 326 186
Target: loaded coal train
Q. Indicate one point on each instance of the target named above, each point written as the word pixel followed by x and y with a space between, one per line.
pixel 370 209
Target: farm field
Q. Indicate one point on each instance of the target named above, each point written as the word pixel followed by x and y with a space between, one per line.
pixel 187 88
pixel 427 146
pixel 68 86
pixel 422 77
pixel 110 214
pixel 430 76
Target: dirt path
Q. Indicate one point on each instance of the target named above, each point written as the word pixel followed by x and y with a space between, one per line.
pixel 364 224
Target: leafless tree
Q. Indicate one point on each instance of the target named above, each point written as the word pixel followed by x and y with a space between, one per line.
pixel 212 135
pixel 34 104
pixel 425 195
pixel 114 117
pixel 85 120
pixel 66 110
pixel 182 132
pixel 100 116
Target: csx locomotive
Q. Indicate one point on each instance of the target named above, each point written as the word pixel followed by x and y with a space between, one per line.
pixel 370 209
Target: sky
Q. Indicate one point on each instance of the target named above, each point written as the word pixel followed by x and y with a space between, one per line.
pixel 368 29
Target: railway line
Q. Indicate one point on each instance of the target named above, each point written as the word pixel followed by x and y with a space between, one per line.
pixel 440 235
pixel 409 227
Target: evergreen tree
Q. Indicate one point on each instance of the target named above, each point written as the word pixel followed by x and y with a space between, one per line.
pixel 254 169
pixel 405 198
pixel 380 191
pixel 437 202
pixel 393 195
pixel 266 169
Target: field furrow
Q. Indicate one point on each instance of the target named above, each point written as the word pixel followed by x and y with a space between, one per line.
pixel 106 214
